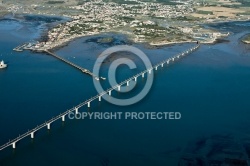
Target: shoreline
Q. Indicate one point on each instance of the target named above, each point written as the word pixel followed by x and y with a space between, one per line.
pixel 246 42
pixel 64 42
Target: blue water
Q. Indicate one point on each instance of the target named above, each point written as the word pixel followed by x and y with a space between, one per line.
pixel 210 88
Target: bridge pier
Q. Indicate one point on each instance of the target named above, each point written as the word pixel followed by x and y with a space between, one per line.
pixel 142 75
pixel 149 71
pixel 14 145
pixel 100 98
pixel 172 59
pixel 168 62
pixel 32 135
pixel 135 79
pixel 63 118
pixel 127 83
pixel 48 126
pixel 156 67
pixel 162 64
pixel 110 93
pixel 119 88
pixel 76 109
pixel 88 104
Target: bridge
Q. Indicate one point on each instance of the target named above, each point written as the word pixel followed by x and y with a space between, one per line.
pixel 62 116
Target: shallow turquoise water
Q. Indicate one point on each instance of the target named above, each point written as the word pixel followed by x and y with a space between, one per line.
pixel 210 88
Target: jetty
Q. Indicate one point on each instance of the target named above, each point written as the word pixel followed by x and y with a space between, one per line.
pixel 20 48
pixel 74 65
pixel 30 46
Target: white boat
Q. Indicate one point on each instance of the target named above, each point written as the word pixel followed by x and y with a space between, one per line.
pixel 2 65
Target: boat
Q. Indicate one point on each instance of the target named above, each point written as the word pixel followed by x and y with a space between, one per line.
pixel 2 65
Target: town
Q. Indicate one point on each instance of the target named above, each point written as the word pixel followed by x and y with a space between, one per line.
pixel 147 22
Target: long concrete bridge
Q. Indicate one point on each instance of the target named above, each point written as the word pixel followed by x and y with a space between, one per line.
pixel 62 116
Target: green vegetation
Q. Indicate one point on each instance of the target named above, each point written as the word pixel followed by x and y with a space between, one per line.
pixel 55 2
pixel 246 39
pixel 204 12
pixel 187 18
pixel 106 40
pixel 121 1
pixel 223 17
pixel 245 13
pixel 155 27
pixel 81 2
pixel 166 2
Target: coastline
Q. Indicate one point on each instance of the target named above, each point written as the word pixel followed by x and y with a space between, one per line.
pixel 63 42
pixel 246 42
pixel 49 45
pixel 246 39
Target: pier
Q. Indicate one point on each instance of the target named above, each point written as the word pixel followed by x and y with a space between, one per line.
pixel 29 46
pixel 74 65
pixel 87 103
pixel 20 48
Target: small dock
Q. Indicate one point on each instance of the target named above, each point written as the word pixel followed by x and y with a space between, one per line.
pixel 74 65
pixel 20 48
pixel 25 46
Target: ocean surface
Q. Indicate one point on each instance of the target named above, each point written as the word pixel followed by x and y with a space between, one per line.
pixel 211 89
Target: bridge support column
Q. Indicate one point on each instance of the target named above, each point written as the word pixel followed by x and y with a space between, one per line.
pixel 142 75
pixel 100 98
pixel 63 118
pixel 48 126
pixel 127 83
pixel 32 135
pixel 119 88
pixel 156 67
pixel 162 64
pixel 172 59
pixel 110 93
pixel 149 71
pixel 88 104
pixel 168 62
pixel 76 109
pixel 135 79
pixel 14 145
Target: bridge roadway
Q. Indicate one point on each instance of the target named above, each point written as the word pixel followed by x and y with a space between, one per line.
pixel 62 116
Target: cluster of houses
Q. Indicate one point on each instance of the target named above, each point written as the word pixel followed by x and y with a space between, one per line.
pixel 139 18
pixel 98 16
